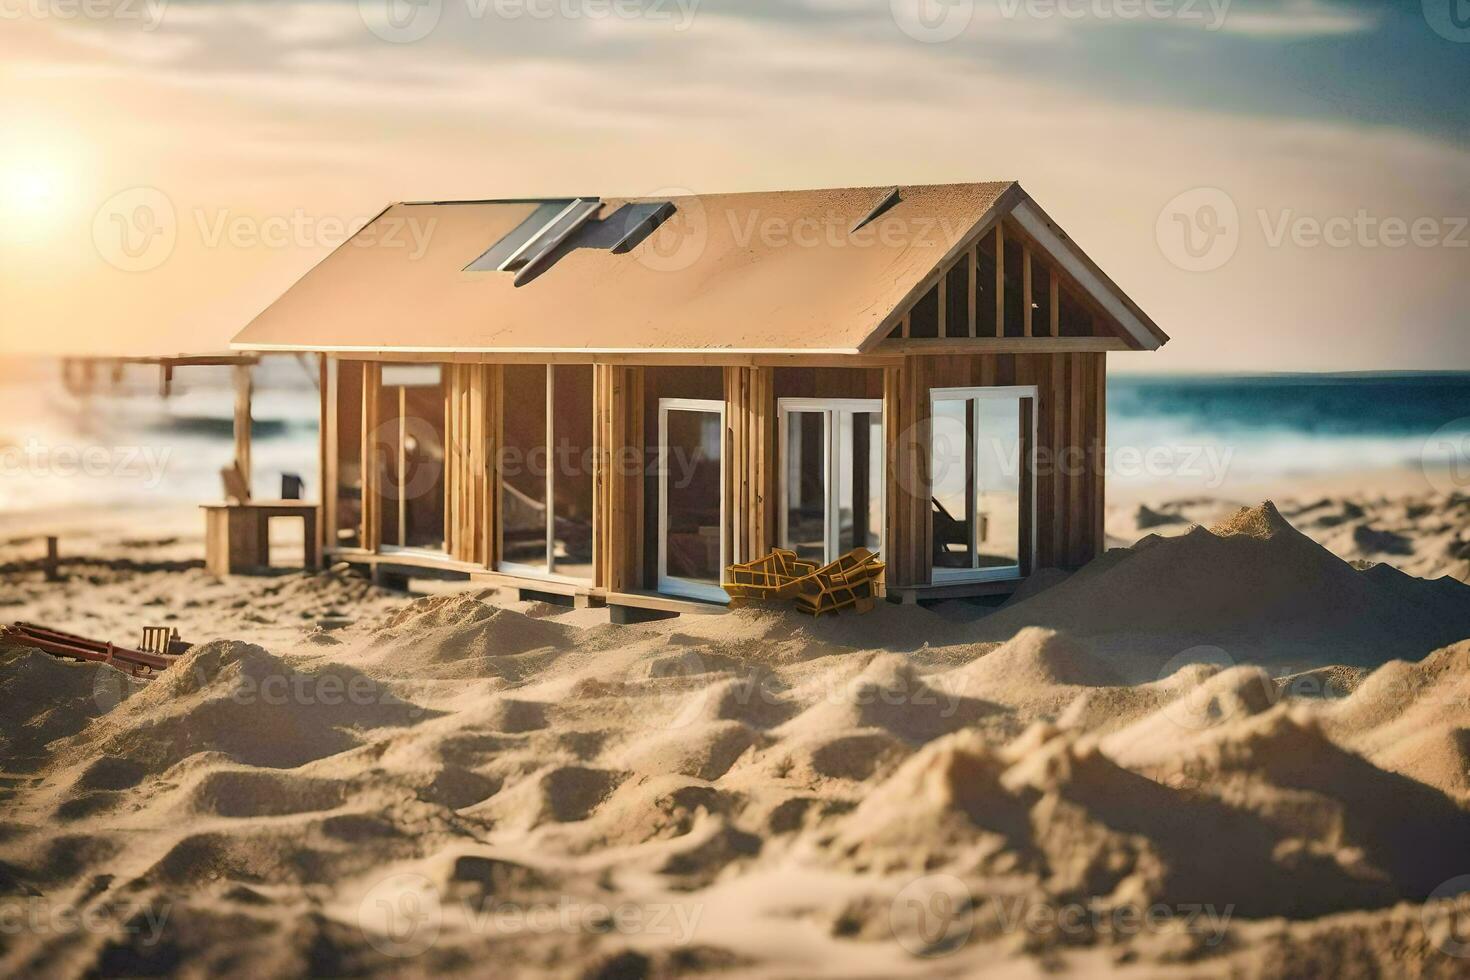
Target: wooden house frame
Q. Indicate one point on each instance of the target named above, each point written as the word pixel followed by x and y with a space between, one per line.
pixel 861 383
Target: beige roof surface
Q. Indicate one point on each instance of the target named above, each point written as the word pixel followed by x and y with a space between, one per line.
pixel 778 271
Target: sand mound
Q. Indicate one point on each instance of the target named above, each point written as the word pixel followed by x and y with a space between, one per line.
pixel 255 793
pixel 512 715
pixel 944 807
pixel 1438 757
pixel 1253 585
pixel 1402 830
pixel 558 794
pixel 237 699
pixel 754 701
pixel 459 636
pixel 1035 657
pixel 1203 700
pixel 809 760
pixel 890 694
pixel 703 751
pixel 43 698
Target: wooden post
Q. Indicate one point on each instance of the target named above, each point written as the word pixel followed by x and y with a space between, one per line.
pixel 327 454
pixel 53 558
pixel 1026 300
pixel 242 422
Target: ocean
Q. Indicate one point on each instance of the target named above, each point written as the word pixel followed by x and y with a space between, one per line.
pixel 1243 429
pixel 124 445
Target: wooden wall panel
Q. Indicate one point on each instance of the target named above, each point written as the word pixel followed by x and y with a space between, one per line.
pixel 471 438
pixel 1070 426
pixel 619 439
pixel 751 484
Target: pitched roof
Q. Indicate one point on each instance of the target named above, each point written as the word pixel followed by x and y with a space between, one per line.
pixel 787 271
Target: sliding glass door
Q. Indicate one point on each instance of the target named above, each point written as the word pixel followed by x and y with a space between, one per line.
pixel 546 471
pixel 691 497
pixel 982 483
pixel 831 465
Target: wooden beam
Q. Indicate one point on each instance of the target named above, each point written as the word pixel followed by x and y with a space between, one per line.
pixel 943 330
pixel 1054 302
pixel 973 258
pixel 327 435
pixel 243 390
pixel 1000 279
pixel 1003 345
pixel 1026 300
pixel 652 358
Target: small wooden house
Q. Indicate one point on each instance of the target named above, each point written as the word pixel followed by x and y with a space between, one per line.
pixel 615 399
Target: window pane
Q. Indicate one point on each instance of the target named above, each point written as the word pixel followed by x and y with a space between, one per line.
pixel 998 483
pixel 571 481
pixel 806 485
pixel 423 467
pixel 348 532
pixel 860 481
pixel 523 466
pixel 386 445
pixel 951 474
pixel 692 468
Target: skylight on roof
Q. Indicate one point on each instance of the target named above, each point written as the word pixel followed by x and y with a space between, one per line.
pixel 508 253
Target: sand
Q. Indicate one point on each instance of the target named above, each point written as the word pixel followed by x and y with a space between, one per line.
pixel 1238 749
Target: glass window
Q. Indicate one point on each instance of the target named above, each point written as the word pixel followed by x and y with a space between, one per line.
pixel 980 476
pixel 348 418
pixel 571 470
pixel 692 493
pixel 410 441
pixel 806 485
pixel 832 477
pixel 523 467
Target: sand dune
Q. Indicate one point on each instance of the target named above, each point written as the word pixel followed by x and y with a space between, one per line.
pixel 1232 730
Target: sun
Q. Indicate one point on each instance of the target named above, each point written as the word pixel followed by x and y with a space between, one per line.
pixel 37 194
pixel 28 190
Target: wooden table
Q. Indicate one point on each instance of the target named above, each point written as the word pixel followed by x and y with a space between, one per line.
pixel 237 536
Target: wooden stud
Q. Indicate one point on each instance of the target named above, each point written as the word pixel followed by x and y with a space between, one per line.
pixel 1000 280
pixel 973 257
pixel 1055 305
pixel 1026 299
pixel 943 329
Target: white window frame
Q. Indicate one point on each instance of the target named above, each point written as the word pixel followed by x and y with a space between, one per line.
pixel 674 585
pixel 547 573
pixel 829 407
pixel 973 395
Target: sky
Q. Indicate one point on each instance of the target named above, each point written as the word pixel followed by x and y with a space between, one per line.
pixel 1282 186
